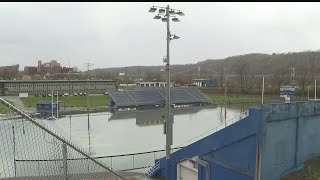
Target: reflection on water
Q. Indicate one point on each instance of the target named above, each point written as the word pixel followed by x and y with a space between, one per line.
pixel 151 117
pixel 129 132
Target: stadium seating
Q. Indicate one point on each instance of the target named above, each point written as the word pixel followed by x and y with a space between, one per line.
pixel 157 97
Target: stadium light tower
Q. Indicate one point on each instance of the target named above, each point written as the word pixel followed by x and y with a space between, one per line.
pixel 165 14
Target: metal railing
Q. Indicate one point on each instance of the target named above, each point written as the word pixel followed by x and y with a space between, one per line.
pixel 229 122
pixel 120 162
pixel 31 150
pixel 153 169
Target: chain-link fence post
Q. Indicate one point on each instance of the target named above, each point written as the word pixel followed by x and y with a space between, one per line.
pixel 65 164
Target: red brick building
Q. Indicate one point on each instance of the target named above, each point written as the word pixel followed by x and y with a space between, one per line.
pixel 43 68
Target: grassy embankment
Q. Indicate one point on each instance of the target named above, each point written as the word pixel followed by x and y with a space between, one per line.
pixel 220 99
pixel 102 100
pixel 70 101
pixel 3 109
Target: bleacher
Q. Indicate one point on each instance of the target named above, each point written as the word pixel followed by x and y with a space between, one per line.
pixel 121 99
pixel 157 97
pixel 195 93
pixel 145 98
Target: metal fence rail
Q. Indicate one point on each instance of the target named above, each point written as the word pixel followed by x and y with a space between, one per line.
pixel 29 149
pixel 119 162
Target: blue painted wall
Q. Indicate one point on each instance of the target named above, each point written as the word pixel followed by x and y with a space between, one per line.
pixel 231 152
pixel 287 134
pixel 290 137
pixel 47 107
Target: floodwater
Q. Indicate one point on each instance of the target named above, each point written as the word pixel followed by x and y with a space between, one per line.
pixel 131 132
pixel 112 134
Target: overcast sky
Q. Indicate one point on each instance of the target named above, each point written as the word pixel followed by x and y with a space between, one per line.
pixel 125 34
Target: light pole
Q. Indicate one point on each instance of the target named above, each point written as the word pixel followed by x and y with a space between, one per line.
pixel 165 14
pixel 88 64
pixel 225 94
pixel 262 90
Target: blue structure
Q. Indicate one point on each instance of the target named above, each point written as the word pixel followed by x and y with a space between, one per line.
pixel 155 97
pixel 265 145
pixel 45 108
pixel 287 90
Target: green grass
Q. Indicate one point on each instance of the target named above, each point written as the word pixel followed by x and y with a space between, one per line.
pixel 102 100
pixel 70 101
pixel 4 109
pixel 234 99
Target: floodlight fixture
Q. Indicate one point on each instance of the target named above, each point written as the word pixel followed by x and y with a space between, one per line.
pixel 175 37
pixel 161 11
pixel 180 13
pixel 152 10
pixel 172 12
pixel 175 19
pixel 164 59
pixel 157 17
pixel 164 19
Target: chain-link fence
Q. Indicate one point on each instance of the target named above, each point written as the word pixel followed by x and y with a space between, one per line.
pixel 29 149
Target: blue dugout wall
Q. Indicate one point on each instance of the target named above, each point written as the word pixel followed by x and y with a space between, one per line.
pixel 265 145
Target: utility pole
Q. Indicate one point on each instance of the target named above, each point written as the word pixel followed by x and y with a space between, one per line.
pixel 139 74
pixel 189 76
pixel 57 104
pixel 88 64
pixel 315 89
pixel 127 77
pixel 308 94
pixel 168 117
pixel 87 96
pixel 69 84
pixel 52 104
pixel 262 89
pixel 293 72
pixel 165 14
pixel 225 94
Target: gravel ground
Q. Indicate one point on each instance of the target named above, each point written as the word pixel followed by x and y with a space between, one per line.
pixel 310 171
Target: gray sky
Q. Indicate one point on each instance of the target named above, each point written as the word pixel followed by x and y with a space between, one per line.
pixel 125 34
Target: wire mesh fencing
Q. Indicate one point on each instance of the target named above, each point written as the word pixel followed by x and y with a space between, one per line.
pixel 29 149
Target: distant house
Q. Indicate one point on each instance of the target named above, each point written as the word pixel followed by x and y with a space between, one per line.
pixel 153 84
pixel 204 82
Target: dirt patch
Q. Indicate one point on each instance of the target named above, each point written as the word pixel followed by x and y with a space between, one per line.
pixel 310 171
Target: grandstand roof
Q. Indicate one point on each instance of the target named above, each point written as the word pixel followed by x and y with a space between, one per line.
pixel 157 97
